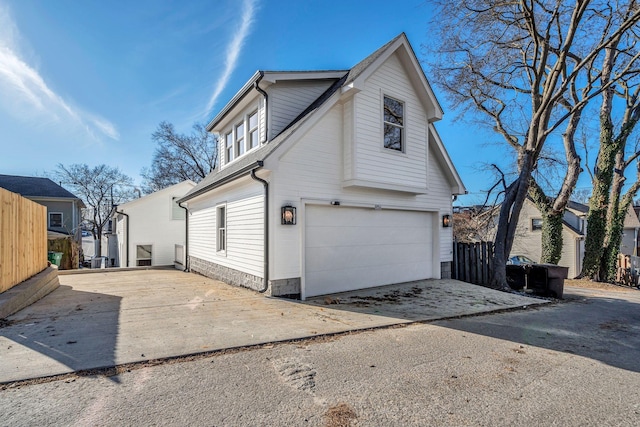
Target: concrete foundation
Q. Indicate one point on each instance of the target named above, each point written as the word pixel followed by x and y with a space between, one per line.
pixel 28 292
pixel 225 274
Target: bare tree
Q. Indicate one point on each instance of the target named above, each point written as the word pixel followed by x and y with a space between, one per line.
pixel 179 157
pixel 607 206
pixel 100 187
pixel 516 62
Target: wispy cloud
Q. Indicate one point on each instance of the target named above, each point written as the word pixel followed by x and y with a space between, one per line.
pixel 22 85
pixel 233 51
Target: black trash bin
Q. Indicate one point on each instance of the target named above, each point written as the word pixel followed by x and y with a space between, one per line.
pixel 547 279
pixel 516 276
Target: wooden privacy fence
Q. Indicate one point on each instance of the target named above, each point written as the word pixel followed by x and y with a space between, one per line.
pixel 472 262
pixel 23 239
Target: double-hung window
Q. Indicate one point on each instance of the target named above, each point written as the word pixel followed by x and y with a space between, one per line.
pixel 228 138
pixel 55 220
pixel 393 124
pixel 240 141
pixel 243 136
pixel 221 219
pixel 253 130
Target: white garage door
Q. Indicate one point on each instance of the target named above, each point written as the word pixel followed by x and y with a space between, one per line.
pixel 354 248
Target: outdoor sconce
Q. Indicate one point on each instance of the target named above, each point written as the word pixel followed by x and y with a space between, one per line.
pixel 288 215
pixel 446 221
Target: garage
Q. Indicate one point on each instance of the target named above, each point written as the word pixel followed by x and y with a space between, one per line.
pixel 349 248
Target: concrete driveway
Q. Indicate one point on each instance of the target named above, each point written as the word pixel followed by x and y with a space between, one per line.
pixel 110 318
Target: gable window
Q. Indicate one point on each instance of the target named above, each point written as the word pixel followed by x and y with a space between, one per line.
pixel 240 146
pixel 253 130
pixel 229 144
pixel 536 224
pixel 393 124
pixel 143 255
pixel 221 219
pixel 243 136
pixel 176 211
pixel 55 220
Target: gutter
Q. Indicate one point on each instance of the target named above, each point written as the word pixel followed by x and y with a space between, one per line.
pixel 126 235
pixel 244 171
pixel 266 228
pixel 186 238
pixel 257 87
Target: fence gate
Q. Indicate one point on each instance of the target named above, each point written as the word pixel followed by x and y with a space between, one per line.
pixel 472 262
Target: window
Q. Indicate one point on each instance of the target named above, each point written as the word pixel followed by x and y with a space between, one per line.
pixel 393 124
pixel 253 130
pixel 536 224
pixel 221 216
pixel 229 144
pixel 240 148
pixel 55 220
pixel 244 136
pixel 143 255
pixel 176 211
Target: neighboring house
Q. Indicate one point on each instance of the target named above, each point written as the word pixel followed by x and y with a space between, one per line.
pixel 629 243
pixel 63 208
pixel 329 181
pixel 528 238
pixel 149 231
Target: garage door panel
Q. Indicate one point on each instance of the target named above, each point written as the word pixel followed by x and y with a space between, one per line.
pixel 354 248
pixel 327 258
pixel 361 236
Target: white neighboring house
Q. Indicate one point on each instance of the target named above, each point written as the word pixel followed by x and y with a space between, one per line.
pixel 151 230
pixel 329 181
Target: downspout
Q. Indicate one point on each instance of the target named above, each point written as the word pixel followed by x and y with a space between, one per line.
pixel 266 229
pixel 186 237
pixel 257 87
pixel 126 236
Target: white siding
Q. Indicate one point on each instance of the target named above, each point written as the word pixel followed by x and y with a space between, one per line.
pixel 245 220
pixel 312 170
pixel 375 163
pixel 151 223
pixel 287 99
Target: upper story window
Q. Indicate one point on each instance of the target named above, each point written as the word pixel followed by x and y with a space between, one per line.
pixel 229 144
pixel 536 224
pixel 244 136
pixel 55 219
pixel 393 124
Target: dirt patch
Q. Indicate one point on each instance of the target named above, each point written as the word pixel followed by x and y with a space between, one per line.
pixel 393 297
pixel 590 284
pixel 339 415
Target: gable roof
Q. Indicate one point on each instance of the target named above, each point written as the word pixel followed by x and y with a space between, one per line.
pixel 350 80
pixel 30 186
pixel 171 190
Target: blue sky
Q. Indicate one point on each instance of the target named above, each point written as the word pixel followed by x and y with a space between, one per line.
pixel 89 81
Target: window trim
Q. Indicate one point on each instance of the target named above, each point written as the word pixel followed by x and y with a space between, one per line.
pixel 150 259
pixel 403 127
pixel 535 227
pixel 245 139
pixel 61 220
pixel 221 229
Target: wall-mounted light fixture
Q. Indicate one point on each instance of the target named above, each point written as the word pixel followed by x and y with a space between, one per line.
pixel 288 215
pixel 446 221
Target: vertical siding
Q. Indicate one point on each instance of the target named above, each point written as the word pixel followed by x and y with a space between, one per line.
pixel 375 163
pixel 245 221
pixel 288 99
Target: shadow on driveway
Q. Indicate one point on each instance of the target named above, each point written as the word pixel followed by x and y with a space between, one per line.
pixel 599 327
pixel 66 329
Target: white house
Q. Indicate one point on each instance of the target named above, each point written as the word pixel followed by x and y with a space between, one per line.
pixel 329 181
pixel 151 230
